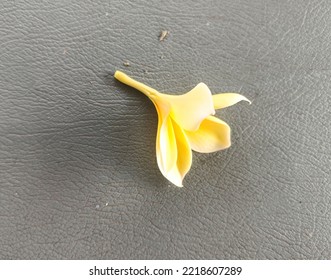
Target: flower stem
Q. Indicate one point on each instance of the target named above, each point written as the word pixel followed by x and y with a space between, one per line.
pixel 125 79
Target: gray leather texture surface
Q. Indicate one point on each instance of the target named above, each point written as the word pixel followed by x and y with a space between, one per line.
pixel 78 171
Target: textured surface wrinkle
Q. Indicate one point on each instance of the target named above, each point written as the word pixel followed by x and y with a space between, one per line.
pixel 78 173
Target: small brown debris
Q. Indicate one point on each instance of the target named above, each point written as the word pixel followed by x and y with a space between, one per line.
pixel 163 35
pixel 126 63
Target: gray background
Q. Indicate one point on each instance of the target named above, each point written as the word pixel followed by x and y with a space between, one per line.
pixel 78 174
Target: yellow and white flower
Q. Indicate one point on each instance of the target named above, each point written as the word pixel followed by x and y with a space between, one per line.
pixel 185 123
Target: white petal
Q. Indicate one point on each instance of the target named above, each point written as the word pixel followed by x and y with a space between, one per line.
pixel 213 135
pixel 223 100
pixel 189 109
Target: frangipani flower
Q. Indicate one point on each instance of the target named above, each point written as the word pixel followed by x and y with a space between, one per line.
pixel 186 123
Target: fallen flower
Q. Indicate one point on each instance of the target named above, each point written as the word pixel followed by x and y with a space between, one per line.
pixel 185 122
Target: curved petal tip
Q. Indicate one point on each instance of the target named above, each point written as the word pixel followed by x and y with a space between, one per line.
pixel 223 100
